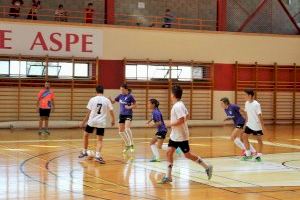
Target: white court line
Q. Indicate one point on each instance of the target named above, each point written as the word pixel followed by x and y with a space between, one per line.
pixel 116 139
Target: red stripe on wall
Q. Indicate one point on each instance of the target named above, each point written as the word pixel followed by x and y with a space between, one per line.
pixel 224 75
pixel 111 73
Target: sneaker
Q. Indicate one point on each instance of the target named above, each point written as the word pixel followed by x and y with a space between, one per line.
pixel 245 158
pixel 258 159
pixel 209 171
pixel 131 148
pixel 99 160
pixel 165 180
pixel 82 155
pixel 154 160
pixel 127 148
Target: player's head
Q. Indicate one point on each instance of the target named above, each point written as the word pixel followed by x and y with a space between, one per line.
pixel 90 5
pixel 249 94
pixel 225 102
pixel 176 92
pixel 153 103
pixel 47 85
pixel 99 89
pixel 125 89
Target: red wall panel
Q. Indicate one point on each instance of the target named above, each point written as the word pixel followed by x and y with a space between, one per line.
pixel 111 73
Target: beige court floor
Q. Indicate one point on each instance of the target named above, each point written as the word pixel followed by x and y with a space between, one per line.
pixel 36 167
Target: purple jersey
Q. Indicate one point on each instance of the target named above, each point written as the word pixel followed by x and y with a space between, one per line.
pixel 125 99
pixel 233 111
pixel 157 117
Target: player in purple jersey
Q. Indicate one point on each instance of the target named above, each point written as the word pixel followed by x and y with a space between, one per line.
pixel 233 113
pixel 158 122
pixel 127 104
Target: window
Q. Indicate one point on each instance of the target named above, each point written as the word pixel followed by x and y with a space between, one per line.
pixel 62 70
pixel 4 68
pixel 158 72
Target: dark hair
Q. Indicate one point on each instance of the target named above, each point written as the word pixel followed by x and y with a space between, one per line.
pixel 99 89
pixel 225 100
pixel 249 92
pixel 60 6
pixel 168 10
pixel 177 91
pixel 90 4
pixel 125 86
pixel 154 102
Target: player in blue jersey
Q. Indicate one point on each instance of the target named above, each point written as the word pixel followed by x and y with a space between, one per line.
pixel 158 122
pixel 127 104
pixel 233 113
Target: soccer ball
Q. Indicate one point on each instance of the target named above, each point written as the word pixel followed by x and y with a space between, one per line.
pixel 91 154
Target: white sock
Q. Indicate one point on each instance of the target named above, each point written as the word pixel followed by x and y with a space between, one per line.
pixel 164 147
pixel 98 155
pixel 84 151
pixel 124 137
pixel 252 149
pixel 248 153
pixel 129 135
pixel 202 163
pixel 239 143
pixel 259 155
pixel 155 151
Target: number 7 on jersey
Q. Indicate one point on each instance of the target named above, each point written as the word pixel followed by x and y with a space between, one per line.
pixel 99 106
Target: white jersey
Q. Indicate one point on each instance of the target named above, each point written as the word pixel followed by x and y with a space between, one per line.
pixel 253 109
pixel 99 107
pixel 179 133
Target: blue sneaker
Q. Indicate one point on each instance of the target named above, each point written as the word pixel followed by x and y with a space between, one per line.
pixel 178 151
pixel 165 180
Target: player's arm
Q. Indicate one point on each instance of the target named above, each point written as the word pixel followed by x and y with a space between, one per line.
pixel 244 114
pixel 112 117
pixel 85 119
pixel 53 105
pixel 112 100
pixel 178 122
pixel 261 121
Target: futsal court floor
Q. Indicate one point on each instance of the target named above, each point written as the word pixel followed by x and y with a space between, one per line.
pixel 38 167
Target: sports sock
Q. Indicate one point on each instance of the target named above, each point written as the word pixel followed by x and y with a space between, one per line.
pixel 129 135
pixel 239 143
pixel 124 137
pixel 155 151
pixel 252 149
pixel 202 163
pixel 169 170
pixel 164 147
pixel 98 154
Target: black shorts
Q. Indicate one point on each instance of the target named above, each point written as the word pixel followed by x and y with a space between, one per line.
pixel 45 112
pixel 240 126
pixel 161 134
pixel 99 131
pixel 183 145
pixel 250 131
pixel 123 118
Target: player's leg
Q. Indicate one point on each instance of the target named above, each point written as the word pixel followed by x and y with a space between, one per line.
pixel 235 137
pixel 246 134
pixel 129 133
pixel 122 133
pixel 154 149
pixel 172 146
pixel 85 141
pixel 41 125
pixel 260 147
pixel 189 155
pixel 46 125
pixel 99 145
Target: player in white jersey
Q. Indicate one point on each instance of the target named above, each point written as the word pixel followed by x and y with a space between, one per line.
pixel 98 109
pixel 180 136
pixel 254 125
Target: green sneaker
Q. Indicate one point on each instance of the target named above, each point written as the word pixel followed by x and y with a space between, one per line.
pixel 131 148
pixel 246 158
pixel 127 148
pixel 154 160
pixel 165 180
pixel 258 159
pixel 209 171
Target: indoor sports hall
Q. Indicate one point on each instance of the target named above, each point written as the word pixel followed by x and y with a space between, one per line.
pixel 150 99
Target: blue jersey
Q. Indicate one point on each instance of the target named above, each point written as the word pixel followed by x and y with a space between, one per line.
pixel 233 112
pixel 124 100
pixel 157 117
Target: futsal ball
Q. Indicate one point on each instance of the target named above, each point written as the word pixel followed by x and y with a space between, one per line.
pixel 91 154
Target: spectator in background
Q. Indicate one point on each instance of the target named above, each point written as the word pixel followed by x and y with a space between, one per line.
pixel 33 12
pixel 61 14
pixel 168 19
pixel 14 11
pixel 37 3
pixel 89 14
